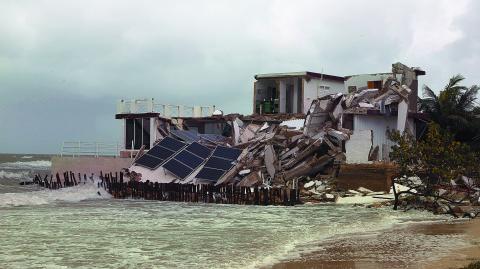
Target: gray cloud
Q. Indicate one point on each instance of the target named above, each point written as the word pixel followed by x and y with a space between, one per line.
pixel 63 64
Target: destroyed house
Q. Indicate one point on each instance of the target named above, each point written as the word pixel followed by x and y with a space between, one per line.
pixel 405 75
pixel 292 93
pixel 375 104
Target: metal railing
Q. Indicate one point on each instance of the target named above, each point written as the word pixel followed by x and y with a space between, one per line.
pixel 165 110
pixel 96 149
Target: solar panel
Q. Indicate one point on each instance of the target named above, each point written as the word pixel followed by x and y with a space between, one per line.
pixel 199 150
pixel 177 168
pixel 187 160
pixel 226 153
pixel 219 163
pixel 160 153
pixel 210 174
pixel 148 161
pixel 187 136
pixel 171 143
pixel 212 137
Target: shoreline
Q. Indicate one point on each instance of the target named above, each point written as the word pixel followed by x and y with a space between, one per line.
pixel 442 244
pixel 461 257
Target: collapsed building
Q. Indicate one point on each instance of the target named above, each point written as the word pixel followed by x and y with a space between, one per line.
pixel 308 131
pixel 307 127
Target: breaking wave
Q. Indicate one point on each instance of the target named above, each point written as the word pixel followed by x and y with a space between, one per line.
pixel 77 193
pixel 21 175
pixel 40 164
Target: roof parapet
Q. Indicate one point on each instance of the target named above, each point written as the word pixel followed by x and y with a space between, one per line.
pixel 142 106
pixel 306 74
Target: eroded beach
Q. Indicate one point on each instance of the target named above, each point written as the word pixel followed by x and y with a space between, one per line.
pixel 428 245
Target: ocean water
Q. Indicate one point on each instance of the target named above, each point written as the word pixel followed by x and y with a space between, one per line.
pixel 83 227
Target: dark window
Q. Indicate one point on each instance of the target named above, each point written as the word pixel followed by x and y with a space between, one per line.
pixel 129 133
pixel 299 96
pixel 146 133
pixel 138 133
pixel 289 97
pixel 347 121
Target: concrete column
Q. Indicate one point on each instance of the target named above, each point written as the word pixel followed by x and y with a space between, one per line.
pixel 197 111
pixel 150 105
pixel 167 111
pixel 412 98
pixel 295 96
pixel 153 131
pixel 181 111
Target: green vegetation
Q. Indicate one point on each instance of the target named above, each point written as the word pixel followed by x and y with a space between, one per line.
pixel 451 145
pixel 449 150
pixel 455 110
pixel 437 158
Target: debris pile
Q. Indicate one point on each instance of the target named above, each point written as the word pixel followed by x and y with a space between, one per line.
pixel 280 155
pixel 460 198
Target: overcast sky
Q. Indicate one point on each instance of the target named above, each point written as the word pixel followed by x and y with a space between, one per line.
pixel 64 64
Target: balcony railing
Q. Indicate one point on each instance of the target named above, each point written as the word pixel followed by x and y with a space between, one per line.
pixel 96 149
pixel 165 110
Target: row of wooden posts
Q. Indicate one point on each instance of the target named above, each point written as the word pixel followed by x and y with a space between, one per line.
pixel 115 184
pixel 53 183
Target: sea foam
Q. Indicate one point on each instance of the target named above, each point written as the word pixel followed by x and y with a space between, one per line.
pixel 27 165
pixel 77 193
pixel 20 175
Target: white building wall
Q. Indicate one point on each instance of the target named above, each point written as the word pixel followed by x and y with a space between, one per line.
pixel 379 125
pixel 311 90
pixel 153 131
pixel 295 95
pixel 359 146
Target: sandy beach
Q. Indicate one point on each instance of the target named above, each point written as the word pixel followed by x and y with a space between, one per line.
pixel 422 245
pixel 463 256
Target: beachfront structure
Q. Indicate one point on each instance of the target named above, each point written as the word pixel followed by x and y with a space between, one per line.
pixel 292 92
pixel 281 99
pixel 144 121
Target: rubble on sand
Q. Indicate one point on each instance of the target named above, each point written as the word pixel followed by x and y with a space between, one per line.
pixel 460 198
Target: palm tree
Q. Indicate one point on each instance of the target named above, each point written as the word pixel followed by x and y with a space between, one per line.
pixel 455 109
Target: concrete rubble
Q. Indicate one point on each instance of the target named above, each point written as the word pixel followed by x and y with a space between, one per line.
pixel 460 198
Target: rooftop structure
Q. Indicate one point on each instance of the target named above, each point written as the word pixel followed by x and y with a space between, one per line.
pixel 293 92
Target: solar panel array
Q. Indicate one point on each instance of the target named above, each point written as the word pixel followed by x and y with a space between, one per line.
pixel 160 153
pixel 187 160
pixel 187 136
pixel 219 163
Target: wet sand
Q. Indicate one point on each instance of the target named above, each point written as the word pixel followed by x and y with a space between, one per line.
pixel 448 244
pixel 462 256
